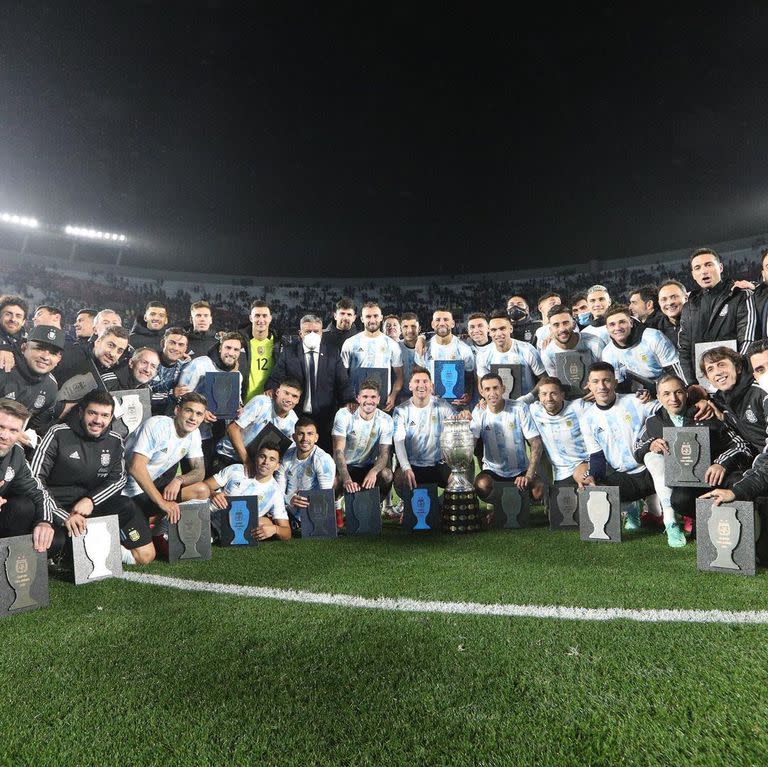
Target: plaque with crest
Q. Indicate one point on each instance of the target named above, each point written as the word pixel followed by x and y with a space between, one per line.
pixel 571 369
pixel 362 512
pixel 222 391
pixel 239 522
pixel 725 537
pixel 689 456
pixel 23 576
pixel 318 520
pixel 512 378
pixel 563 507
pixel 97 555
pixel 190 538
pixel 76 387
pixel 132 408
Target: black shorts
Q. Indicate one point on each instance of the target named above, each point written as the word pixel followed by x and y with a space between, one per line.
pixel 432 475
pixel 357 473
pixel 497 477
pixel 567 482
pixel 632 487
pixel 134 527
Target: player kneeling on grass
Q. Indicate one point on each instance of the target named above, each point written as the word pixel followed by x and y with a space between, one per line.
pixel 81 464
pixel 153 453
pixel 305 466
pixel 504 425
pixel 232 482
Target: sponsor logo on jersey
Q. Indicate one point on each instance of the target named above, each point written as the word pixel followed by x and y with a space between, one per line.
pixel 75 454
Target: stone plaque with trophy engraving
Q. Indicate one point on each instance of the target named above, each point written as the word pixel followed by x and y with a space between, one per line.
pixel 421 510
pixel 221 389
pixel 319 519
pixel 511 507
pixel 512 378
pixel 362 512
pixel 239 522
pixel 563 508
pixel 449 379
pixel 190 538
pixel 572 372
pixel 132 408
pixel 600 514
pixel 23 576
pixel 97 554
pixel 76 387
pixel 725 537
pixel 689 456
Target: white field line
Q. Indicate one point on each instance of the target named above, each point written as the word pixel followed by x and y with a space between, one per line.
pixel 456 608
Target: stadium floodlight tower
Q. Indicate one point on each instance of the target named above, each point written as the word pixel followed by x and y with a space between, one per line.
pixel 15 220
pixel 92 234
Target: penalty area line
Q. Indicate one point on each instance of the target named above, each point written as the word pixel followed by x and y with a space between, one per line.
pixel 400 604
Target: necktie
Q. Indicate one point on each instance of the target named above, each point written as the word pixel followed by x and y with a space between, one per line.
pixel 312 376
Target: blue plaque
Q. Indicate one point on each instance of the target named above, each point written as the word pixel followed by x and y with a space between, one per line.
pixel 362 512
pixel 237 525
pixel 421 510
pixel 449 379
pixel 319 520
pixel 222 390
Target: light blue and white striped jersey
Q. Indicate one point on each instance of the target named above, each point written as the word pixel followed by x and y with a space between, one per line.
pixel 600 332
pixel 420 429
pixel 520 353
pixel 615 429
pixel 233 481
pixel 362 351
pixel 561 435
pixel 455 349
pixel 157 439
pixel 409 358
pixel 363 437
pixel 589 347
pixel 255 416
pixel 504 436
pixel 316 472
pixel 648 357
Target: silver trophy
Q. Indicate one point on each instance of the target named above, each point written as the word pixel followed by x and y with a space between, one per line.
pixel 457 446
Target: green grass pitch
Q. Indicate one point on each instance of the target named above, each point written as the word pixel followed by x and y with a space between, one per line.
pixel 118 673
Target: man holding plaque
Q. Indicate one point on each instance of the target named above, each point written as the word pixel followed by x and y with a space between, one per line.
pixel 716 310
pixel 418 424
pixel 362 444
pixel 504 426
pixel 610 428
pixel 232 481
pixel 305 466
pixel 81 464
pixel 732 455
pixel 372 350
pixel 444 345
pixel 569 353
pixel 509 351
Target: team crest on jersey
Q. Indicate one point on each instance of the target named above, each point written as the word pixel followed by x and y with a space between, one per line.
pixel 308 471
pixel 568 422
pixel 39 401
pixel 644 357
pixel 750 415
pixel 9 474
pixel 528 335
pixel 260 350
pixel 134 535
pixel 383 348
pixel 724 311
pixel 627 417
pixel 106 458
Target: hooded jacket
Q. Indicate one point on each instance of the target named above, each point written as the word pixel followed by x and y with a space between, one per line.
pixel 721 313
pixel 200 342
pixel 745 408
pixel 36 392
pixel 141 335
pixel 73 465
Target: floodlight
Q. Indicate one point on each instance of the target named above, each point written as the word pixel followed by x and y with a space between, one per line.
pixel 93 234
pixel 13 218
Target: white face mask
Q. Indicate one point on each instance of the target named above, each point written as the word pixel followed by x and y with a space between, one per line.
pixel 312 340
pixel 762 382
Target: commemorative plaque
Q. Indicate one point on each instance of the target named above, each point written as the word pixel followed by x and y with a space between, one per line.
pixel 381 375
pixel 23 576
pixel 319 519
pixel 190 538
pixel 449 379
pixel 75 388
pixel 511 507
pixel 563 508
pixel 269 435
pixel 96 555
pixel 689 456
pixel 600 514
pixel 699 350
pixel 239 522
pixel 725 537
pixel 222 391
pixel 132 408
pixel 362 512
pixel 512 378
pixel 421 510
pixel 572 372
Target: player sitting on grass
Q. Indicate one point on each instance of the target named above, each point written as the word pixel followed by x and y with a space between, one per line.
pixel 232 481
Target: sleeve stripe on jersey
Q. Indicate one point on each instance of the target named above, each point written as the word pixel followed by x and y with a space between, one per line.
pixel 37 458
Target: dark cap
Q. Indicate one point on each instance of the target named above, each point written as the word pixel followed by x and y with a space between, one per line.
pixel 47 334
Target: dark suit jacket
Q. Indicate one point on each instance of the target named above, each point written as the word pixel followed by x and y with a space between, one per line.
pixel 332 387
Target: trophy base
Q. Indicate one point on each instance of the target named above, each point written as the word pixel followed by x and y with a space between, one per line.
pixel 461 512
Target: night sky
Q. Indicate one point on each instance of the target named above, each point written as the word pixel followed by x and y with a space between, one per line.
pixel 371 140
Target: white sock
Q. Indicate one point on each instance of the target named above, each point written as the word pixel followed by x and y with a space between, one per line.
pixel 128 558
